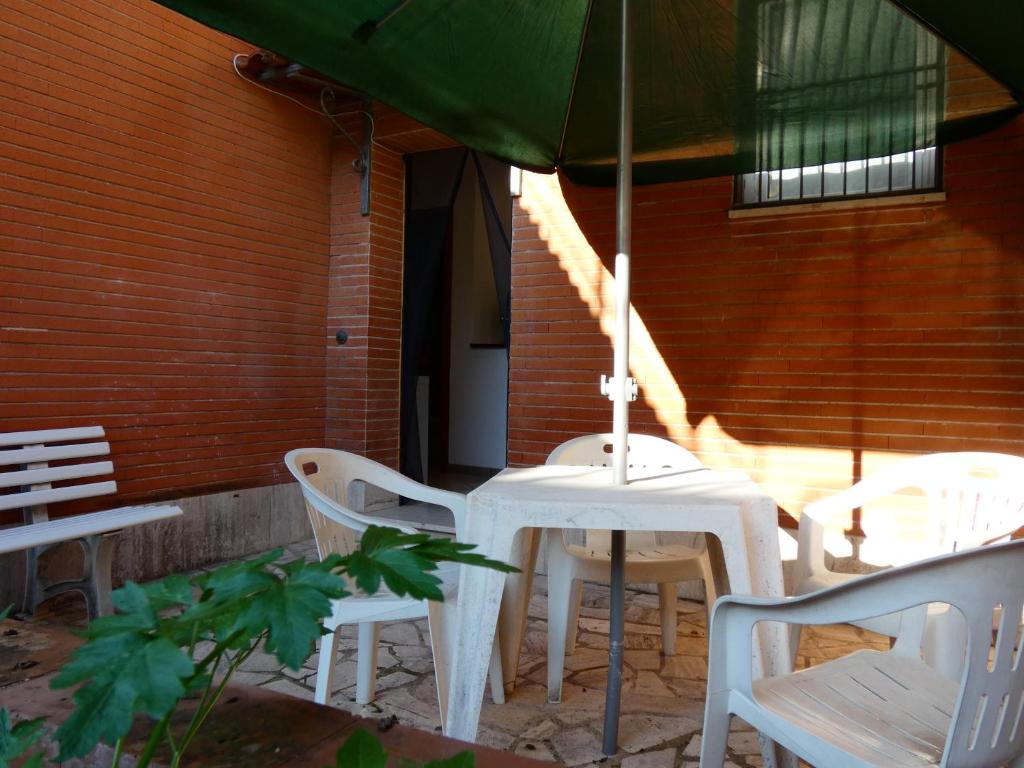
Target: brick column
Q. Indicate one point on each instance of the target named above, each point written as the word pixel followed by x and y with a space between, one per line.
pixel 365 299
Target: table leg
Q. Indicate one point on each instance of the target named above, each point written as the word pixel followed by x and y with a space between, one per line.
pixel 515 602
pixel 616 644
pixel 477 618
pixel 771 654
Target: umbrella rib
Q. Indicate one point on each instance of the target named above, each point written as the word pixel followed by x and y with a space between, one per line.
pixel 367 29
pixel 572 88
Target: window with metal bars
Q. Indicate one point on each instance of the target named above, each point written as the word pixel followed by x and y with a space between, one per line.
pixel 803 147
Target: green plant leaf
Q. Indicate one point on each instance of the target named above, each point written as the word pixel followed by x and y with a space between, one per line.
pixel 462 760
pixel 142 673
pixel 405 561
pixel 360 750
pixel 292 610
pixel 16 741
pixel 126 666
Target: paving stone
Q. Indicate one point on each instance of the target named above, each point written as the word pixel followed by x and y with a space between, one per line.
pixel 600 626
pixel 647 683
pixel 283 685
pixel 744 742
pixel 642 732
pixel 401 632
pixel 541 730
pixel 536 750
pixel 577 746
pixel 693 747
pixel 587 658
pixel 261 661
pixel 685 667
pixel 639 660
pixel 243 677
pixel 663 758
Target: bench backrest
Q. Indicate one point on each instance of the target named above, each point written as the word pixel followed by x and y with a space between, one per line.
pixel 25 460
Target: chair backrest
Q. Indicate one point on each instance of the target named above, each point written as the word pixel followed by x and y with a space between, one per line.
pixel 28 455
pixel 326 477
pixel 986 727
pixel 973 498
pixel 643 451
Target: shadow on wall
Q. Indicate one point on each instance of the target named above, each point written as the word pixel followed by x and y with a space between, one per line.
pixel 808 350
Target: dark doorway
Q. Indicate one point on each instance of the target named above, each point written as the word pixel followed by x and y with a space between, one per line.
pixel 455 327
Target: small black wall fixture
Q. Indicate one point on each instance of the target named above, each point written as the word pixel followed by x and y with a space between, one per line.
pixel 341 336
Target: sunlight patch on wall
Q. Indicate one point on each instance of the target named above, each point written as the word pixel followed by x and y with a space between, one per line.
pixel 792 475
pixel 595 285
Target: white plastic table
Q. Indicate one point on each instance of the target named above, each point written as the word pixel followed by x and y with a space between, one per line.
pixel 726 504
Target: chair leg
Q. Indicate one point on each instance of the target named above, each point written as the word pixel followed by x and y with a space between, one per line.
pixel 716 730
pixel 667 598
pixel 559 595
pixel 496 674
pixel 710 593
pixel 366 661
pixel 795 630
pixel 325 666
pixel 573 630
pixel 440 627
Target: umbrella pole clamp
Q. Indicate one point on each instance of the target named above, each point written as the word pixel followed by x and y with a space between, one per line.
pixel 610 388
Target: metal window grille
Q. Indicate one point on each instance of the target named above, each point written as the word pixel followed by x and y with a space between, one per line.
pixel 816 155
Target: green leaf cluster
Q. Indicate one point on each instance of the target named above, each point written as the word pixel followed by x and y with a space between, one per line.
pixel 17 741
pixel 179 636
pixel 363 750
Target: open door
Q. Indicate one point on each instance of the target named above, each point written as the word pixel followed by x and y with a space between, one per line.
pixel 455 318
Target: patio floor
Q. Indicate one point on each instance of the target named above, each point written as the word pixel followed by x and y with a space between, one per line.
pixel 662 698
pixel 662 702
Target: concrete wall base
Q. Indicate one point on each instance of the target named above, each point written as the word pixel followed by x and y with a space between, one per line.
pixel 214 528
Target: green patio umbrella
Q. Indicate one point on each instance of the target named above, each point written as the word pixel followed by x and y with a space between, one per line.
pixel 708 88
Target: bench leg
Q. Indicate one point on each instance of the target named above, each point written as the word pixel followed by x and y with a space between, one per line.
pixel 99 553
pixel 94 584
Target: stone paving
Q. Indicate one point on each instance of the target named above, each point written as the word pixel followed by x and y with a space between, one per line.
pixel 662 700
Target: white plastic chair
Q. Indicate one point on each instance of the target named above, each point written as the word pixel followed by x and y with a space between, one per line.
pixel 647 561
pixel 887 709
pixel 326 478
pixel 972 499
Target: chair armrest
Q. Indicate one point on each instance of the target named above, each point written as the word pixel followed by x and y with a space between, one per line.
pixel 734 617
pixel 816 515
pixel 396 482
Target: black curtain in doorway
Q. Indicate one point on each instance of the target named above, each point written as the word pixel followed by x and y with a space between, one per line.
pixel 432 180
pixel 432 183
pixel 499 237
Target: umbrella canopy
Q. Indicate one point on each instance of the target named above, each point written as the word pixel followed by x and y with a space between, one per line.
pixel 533 82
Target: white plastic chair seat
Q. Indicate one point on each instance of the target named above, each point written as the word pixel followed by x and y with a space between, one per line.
pixel 654 565
pixel 860 705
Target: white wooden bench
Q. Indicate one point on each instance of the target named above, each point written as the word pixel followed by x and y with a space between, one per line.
pixel 27 483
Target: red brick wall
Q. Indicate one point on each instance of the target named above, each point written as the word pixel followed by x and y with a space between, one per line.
pixel 163 247
pixel 805 348
pixel 366 301
pixel 366 283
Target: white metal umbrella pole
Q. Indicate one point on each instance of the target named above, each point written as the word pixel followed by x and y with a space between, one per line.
pixel 621 388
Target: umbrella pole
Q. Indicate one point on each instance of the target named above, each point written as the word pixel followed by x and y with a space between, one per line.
pixel 622 389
